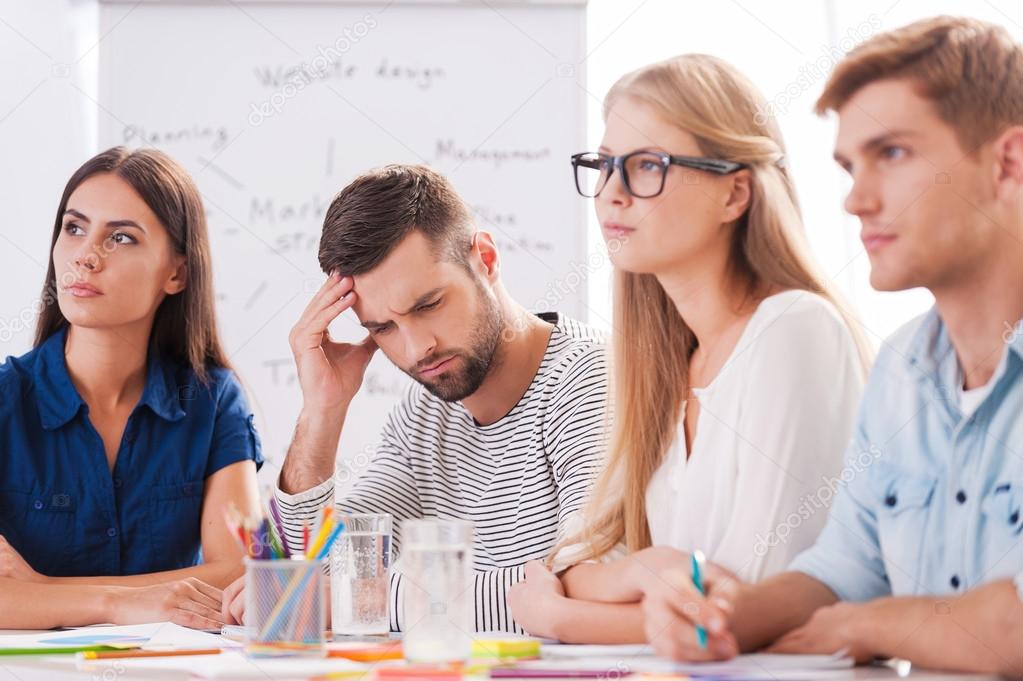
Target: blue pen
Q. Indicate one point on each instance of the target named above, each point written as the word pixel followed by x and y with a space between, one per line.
pixel 696 560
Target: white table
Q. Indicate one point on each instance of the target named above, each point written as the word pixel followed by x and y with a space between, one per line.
pixel 59 668
pixel 25 669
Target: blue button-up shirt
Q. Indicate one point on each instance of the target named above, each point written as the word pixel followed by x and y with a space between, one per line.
pixel 929 501
pixel 63 509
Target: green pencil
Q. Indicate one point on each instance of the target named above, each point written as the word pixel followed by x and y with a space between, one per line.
pixel 61 650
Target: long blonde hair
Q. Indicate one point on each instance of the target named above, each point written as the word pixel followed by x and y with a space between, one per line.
pixel 652 343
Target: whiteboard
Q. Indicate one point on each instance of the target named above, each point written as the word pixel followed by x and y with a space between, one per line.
pixel 275 106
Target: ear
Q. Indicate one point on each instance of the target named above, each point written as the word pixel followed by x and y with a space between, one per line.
pixel 178 279
pixel 1008 151
pixel 485 251
pixel 739 196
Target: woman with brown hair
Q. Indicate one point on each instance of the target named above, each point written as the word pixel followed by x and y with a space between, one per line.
pixel 737 370
pixel 125 432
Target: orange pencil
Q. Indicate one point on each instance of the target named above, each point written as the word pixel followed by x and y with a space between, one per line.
pixel 370 653
pixel 118 654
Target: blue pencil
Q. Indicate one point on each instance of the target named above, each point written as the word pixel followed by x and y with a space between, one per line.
pixel 330 540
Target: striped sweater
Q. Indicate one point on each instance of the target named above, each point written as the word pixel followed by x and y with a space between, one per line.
pixel 520 480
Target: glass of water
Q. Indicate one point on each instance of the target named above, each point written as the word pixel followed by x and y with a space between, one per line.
pixel 360 575
pixel 436 564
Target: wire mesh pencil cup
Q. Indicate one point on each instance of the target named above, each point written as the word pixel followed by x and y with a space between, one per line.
pixel 285 607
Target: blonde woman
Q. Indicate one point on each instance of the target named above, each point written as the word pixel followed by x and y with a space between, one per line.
pixel 736 371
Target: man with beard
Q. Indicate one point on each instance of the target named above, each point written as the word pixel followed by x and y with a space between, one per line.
pixel 504 425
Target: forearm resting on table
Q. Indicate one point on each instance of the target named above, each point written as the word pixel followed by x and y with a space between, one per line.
pixel 31 605
pixel 578 621
pixel 601 582
pixel 980 631
pixel 767 610
pixel 218 573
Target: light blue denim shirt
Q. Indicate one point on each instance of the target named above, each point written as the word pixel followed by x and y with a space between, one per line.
pixel 930 500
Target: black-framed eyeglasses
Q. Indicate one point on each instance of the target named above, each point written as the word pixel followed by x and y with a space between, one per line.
pixel 643 172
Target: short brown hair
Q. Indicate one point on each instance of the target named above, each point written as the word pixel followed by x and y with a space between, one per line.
pixel 374 213
pixel 971 70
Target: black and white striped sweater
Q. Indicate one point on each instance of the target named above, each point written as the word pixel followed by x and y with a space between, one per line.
pixel 519 481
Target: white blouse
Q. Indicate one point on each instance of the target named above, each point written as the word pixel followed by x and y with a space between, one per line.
pixel 770 438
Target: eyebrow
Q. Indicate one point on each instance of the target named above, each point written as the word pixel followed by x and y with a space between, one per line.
pixel 876 142
pixel 605 150
pixel 112 224
pixel 421 300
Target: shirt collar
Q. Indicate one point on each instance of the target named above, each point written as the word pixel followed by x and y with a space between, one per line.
pixel 1014 338
pixel 162 393
pixel 56 396
pixel 931 349
pixel 59 401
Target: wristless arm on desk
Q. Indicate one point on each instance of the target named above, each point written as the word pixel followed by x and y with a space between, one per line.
pixel 980 631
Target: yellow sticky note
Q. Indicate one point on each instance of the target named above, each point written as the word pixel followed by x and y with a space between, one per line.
pixel 517 648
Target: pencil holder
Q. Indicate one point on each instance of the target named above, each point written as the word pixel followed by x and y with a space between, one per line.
pixel 285 607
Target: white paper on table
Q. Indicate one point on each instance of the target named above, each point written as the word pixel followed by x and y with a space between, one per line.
pixel 640 659
pixel 563 650
pixel 759 666
pixel 136 633
pixel 230 665
pixel 170 635
pixel 763 675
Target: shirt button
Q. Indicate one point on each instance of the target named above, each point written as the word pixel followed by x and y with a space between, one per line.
pixel 891 500
pixel 961 497
pixel 1014 518
pixel 118 483
pixel 111 531
pixel 954 581
pixel 38 505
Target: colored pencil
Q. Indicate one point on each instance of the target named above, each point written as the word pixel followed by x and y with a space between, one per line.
pixel 118 654
pixel 326 527
pixel 275 513
pixel 288 598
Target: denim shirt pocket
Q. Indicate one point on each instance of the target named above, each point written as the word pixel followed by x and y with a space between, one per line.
pixel 1002 528
pixel 175 521
pixel 904 507
pixel 40 525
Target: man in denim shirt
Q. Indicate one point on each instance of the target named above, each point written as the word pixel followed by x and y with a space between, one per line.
pixel 925 536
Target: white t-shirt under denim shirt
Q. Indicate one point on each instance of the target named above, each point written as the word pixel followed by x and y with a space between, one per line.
pixel 970 400
pixel 772 430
